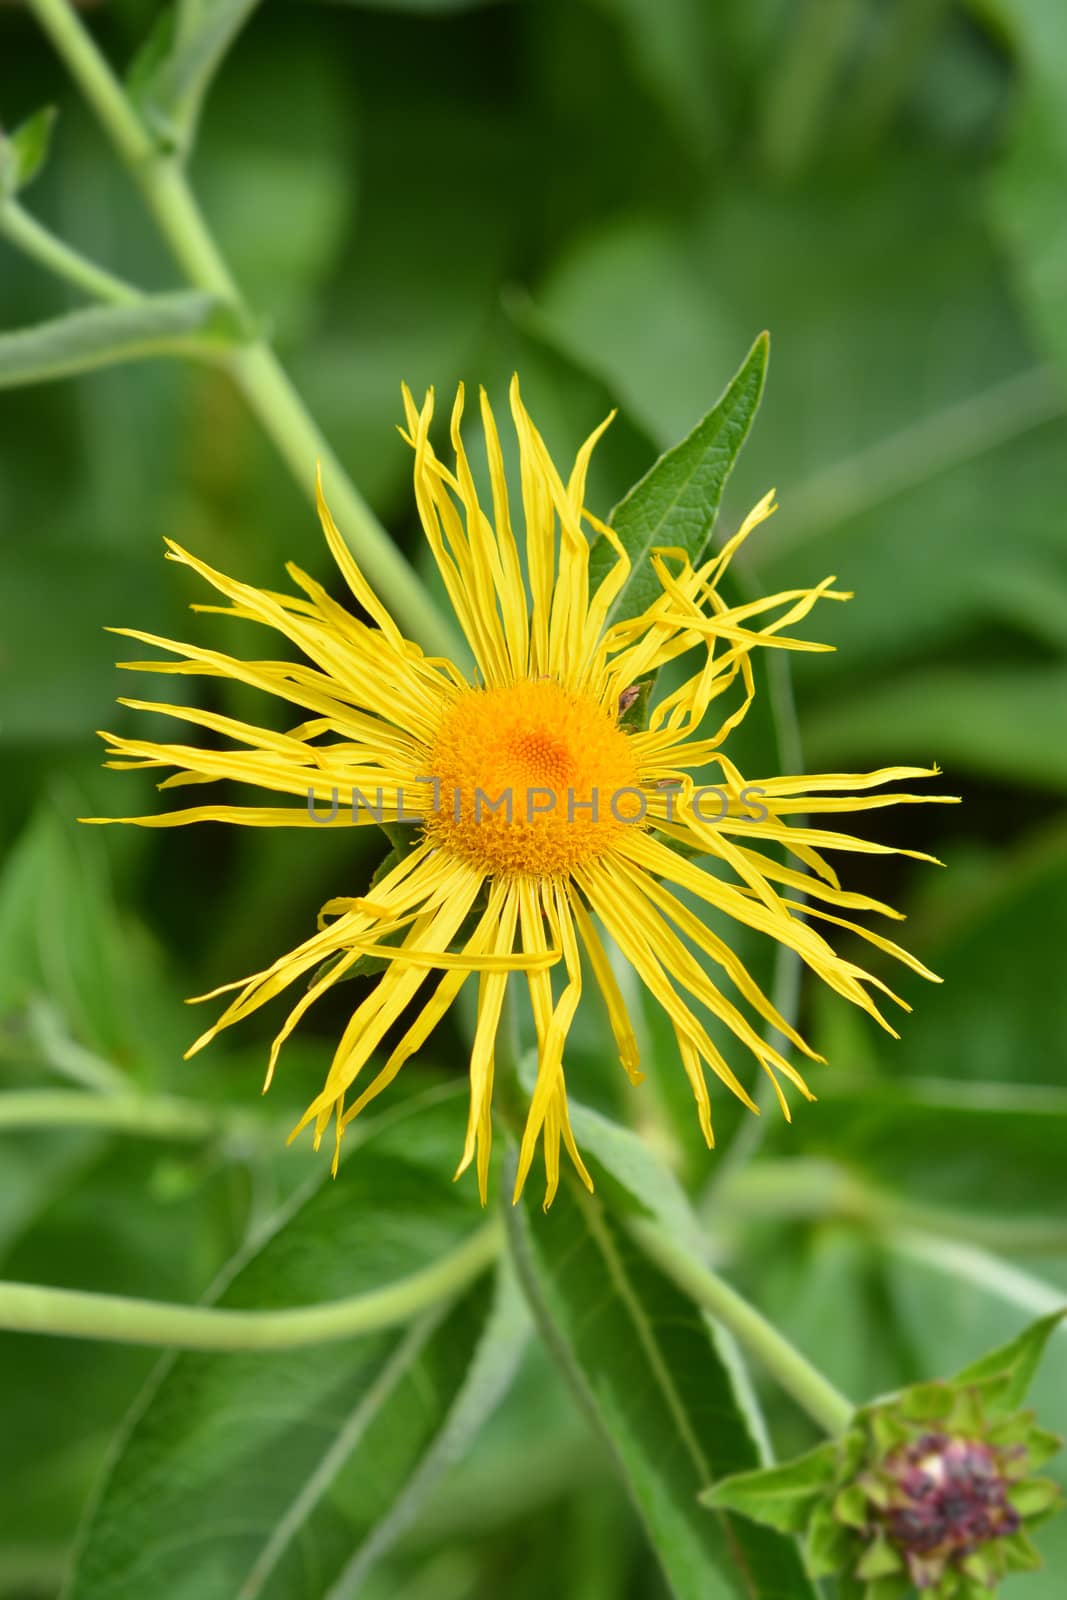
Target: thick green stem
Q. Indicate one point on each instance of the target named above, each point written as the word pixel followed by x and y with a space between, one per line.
pixel 794 1372
pixel 35 241
pixel 68 1313
pixel 254 367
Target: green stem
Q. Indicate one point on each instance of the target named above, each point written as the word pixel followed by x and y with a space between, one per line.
pixel 99 84
pixel 794 1372
pixel 27 234
pixel 262 380
pixel 72 1314
pixel 823 1191
pixel 976 1267
pixel 153 1116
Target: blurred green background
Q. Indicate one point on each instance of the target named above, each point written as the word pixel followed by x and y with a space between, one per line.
pixel 613 196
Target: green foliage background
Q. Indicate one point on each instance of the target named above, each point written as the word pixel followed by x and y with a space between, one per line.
pixel 612 196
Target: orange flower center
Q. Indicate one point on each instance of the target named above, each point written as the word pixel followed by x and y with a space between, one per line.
pixel 531 778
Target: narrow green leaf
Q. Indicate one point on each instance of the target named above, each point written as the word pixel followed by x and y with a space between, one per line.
pixel 284 1476
pixel 173 70
pixel 780 1497
pixel 24 152
pixel 677 500
pixel 656 1382
pixel 1019 1358
pixel 183 323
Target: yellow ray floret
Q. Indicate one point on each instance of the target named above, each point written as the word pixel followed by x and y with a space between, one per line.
pixel 547 837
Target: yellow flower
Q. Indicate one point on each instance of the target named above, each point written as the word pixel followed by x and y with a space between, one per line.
pixel 605 821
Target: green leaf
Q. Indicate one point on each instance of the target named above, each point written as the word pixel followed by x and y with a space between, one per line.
pixel 865 467
pixel 1020 1554
pixel 86 987
pixel 879 1560
pixel 650 1371
pixel 24 152
pixel 626 1166
pixel 172 72
pixel 851 1506
pixel 780 1497
pixel 184 323
pixel 1036 1497
pixel 1019 1358
pixel 677 500
pixel 828 1544
pixel 287 1475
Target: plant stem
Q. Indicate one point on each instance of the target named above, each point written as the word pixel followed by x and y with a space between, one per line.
pixel 254 367
pixel 35 241
pixel 794 1372
pixel 99 84
pixel 154 1116
pixel 68 1313
pixel 823 1191
pixel 978 1268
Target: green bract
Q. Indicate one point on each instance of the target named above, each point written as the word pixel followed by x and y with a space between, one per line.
pixel 929 1489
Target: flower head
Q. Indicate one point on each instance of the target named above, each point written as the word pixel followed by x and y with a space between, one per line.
pixel 543 816
pixel 932 1488
pixel 943 1497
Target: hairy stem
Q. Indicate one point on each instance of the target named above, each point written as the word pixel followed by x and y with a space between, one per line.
pixel 794 1372
pixel 68 1313
pixel 254 367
